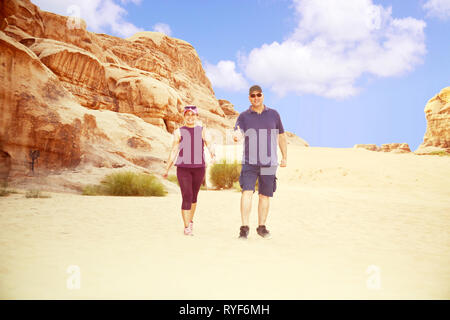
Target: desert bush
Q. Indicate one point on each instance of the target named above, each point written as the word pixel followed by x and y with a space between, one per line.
pixel 440 153
pixel 224 175
pixel 237 186
pixel 35 193
pixel 127 184
pixel 93 190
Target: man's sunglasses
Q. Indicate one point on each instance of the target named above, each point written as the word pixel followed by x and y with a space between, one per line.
pixel 259 95
pixel 190 108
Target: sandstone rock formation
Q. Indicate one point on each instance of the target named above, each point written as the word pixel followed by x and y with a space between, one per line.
pixel 228 108
pixel 71 98
pixel 149 74
pixel 371 147
pixel 395 147
pixel 40 116
pixel 387 147
pixel 66 93
pixel 437 113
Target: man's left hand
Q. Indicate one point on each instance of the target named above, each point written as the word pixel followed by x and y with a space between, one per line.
pixel 283 163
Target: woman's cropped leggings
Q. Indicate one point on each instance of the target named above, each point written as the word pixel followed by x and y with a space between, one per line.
pixel 190 180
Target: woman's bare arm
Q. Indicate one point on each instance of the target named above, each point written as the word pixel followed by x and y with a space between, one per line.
pixel 173 151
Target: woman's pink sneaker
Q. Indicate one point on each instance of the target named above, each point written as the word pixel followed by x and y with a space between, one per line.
pixel 188 231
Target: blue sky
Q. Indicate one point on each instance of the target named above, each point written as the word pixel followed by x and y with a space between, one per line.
pixel 339 72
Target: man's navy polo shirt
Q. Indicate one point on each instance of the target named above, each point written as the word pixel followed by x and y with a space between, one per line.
pixel 261 136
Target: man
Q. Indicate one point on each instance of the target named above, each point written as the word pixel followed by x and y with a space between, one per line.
pixel 262 128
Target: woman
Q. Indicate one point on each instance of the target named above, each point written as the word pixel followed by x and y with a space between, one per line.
pixel 188 149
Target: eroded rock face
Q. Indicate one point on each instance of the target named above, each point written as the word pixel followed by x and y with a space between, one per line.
pixel 27 123
pixel 149 74
pixel 437 113
pixel 228 108
pixel 5 166
pixel 66 93
pixel 43 127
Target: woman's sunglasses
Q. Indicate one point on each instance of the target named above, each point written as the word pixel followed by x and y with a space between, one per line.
pixel 256 95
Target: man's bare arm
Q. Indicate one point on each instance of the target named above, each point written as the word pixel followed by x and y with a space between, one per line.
pixel 207 138
pixel 282 142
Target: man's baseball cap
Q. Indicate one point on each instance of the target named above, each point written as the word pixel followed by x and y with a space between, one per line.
pixel 190 108
pixel 254 88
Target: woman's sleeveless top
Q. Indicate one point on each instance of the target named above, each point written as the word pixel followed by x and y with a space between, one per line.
pixel 191 149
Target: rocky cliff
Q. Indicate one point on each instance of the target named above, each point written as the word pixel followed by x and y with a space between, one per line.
pixel 78 100
pixel 71 97
pixel 437 113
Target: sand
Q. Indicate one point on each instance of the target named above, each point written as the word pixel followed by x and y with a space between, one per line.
pixel 346 224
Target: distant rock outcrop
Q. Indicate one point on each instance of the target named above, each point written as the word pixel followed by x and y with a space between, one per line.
pixel 387 147
pixel 437 135
pixel 294 139
pixel 371 147
pixel 395 147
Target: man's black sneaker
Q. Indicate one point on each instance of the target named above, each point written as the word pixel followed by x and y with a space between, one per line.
pixel 263 232
pixel 243 234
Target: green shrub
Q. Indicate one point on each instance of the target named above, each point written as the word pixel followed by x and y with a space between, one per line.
pixel 440 153
pixel 224 175
pixel 4 192
pixel 35 193
pixel 93 190
pixel 127 184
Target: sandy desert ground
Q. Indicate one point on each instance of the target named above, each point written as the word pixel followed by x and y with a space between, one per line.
pixel 346 224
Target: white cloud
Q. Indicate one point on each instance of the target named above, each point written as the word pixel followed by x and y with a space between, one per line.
pixel 334 44
pixel 438 8
pixel 163 28
pixel 224 76
pixel 102 16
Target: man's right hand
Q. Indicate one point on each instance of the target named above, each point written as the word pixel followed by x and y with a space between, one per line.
pixel 237 134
